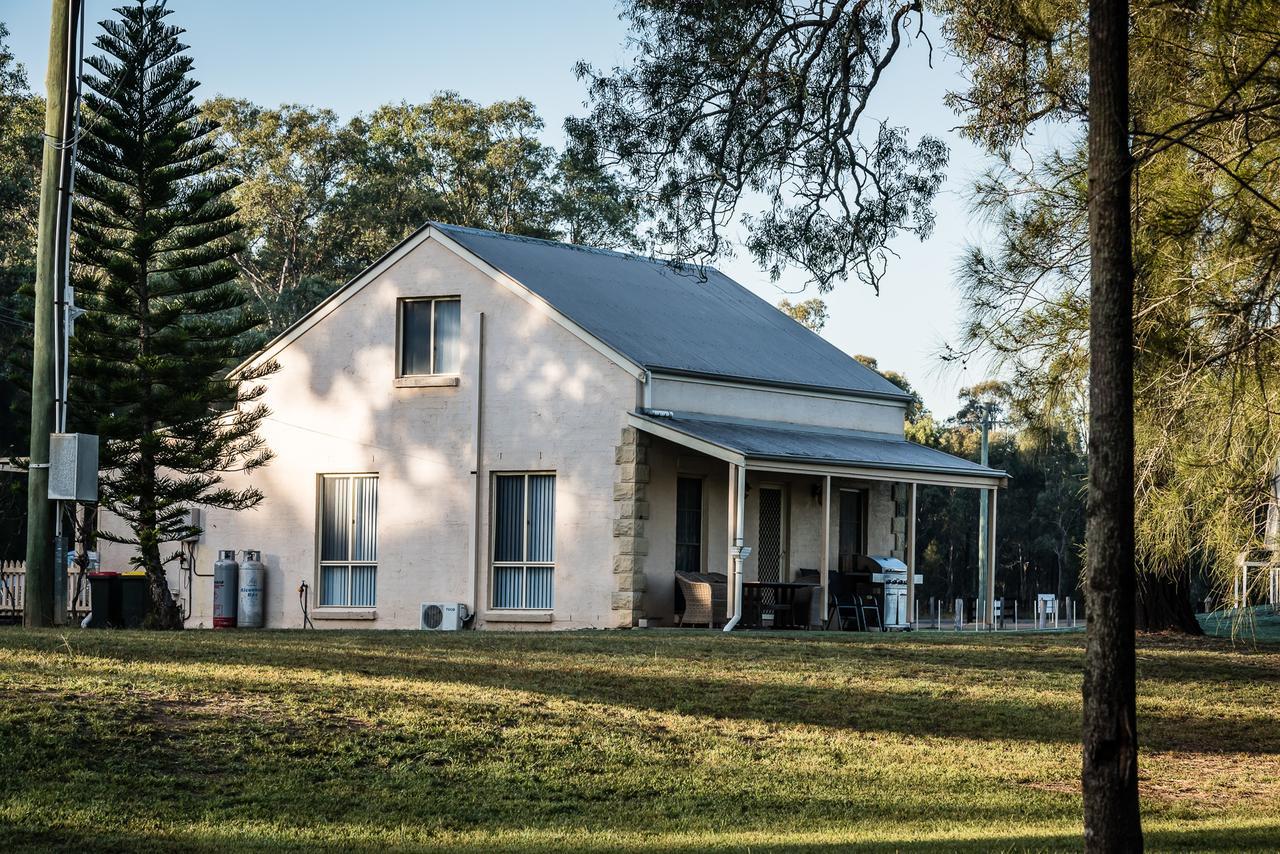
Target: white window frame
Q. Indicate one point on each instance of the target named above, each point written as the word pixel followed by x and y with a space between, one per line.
pixel 431 334
pixel 494 563
pixel 351 525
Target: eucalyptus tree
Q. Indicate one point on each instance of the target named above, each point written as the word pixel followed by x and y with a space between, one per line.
pixel 752 117
pixel 156 233
pixel 288 165
pixel 321 199
pixel 810 313
pixel 479 165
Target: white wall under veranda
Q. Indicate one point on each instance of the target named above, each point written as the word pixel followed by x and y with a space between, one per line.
pixel 764 403
pixel 669 461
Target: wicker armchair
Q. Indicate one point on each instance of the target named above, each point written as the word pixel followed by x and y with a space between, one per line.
pixel 704 598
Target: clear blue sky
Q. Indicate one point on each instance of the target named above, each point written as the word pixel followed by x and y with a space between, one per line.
pixel 353 57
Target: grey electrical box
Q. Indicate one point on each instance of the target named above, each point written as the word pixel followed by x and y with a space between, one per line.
pixel 73 467
pixel 195 519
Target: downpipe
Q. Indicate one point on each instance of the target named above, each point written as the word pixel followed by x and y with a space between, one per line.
pixel 739 552
pixel 737 587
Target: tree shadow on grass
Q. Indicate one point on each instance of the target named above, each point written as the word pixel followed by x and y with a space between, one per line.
pixel 839 689
pixel 1250 838
pixel 843 703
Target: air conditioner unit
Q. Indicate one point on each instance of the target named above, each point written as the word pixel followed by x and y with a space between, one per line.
pixel 444 616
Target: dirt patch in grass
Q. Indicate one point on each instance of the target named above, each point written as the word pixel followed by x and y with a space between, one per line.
pixel 1222 779
pixel 1214 780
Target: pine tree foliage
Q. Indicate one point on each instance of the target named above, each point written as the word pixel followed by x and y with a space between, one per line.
pixel 155 235
pixel 21 123
pixel 1205 119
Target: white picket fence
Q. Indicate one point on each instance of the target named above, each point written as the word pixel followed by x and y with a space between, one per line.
pixel 13 576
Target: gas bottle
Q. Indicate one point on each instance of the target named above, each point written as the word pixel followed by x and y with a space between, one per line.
pixel 225 585
pixel 253 591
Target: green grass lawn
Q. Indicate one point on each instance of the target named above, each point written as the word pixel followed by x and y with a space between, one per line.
pixel 612 741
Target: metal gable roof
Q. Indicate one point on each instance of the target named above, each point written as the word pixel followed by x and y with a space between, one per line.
pixel 670 320
pixel 796 443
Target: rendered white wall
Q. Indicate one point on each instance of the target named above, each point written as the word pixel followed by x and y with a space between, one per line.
pixel 682 394
pixel 551 403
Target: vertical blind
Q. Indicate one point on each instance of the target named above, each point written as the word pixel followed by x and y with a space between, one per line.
pixel 523 541
pixel 348 540
pixel 429 333
pixel 448 326
pixel 415 337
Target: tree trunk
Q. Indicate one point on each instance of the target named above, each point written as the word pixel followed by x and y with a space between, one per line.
pixel 1164 605
pixel 163 612
pixel 1110 773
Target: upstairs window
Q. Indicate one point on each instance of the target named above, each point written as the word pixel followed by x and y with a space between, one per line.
pixel 429 331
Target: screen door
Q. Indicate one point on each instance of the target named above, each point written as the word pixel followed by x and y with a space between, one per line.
pixel 771 557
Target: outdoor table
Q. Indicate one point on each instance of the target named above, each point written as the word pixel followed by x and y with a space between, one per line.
pixel 784 594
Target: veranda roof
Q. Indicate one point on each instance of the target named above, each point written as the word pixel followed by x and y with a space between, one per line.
pixel 801 448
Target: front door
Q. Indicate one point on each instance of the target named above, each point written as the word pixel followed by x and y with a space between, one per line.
pixel 771 560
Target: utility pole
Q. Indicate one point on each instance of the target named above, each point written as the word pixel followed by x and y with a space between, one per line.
pixel 55 176
pixel 984 520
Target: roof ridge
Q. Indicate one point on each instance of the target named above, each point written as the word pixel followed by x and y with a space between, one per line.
pixel 561 244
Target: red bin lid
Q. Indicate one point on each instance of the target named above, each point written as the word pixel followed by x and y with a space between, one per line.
pixel 103 574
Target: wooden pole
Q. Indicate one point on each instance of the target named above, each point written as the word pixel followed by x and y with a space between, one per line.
pixel 38 607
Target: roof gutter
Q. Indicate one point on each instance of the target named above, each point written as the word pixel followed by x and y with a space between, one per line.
pixel 989 473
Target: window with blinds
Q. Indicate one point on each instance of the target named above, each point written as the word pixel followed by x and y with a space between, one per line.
pixel 429 331
pixel 348 540
pixel 524 515
pixel 689 524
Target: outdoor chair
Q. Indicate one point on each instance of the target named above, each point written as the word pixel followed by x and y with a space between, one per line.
pixel 870 610
pixel 719 595
pixel 813 614
pixel 704 598
pixel 796 614
pixel 843 607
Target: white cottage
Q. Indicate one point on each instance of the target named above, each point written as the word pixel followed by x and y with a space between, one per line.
pixel 545 433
